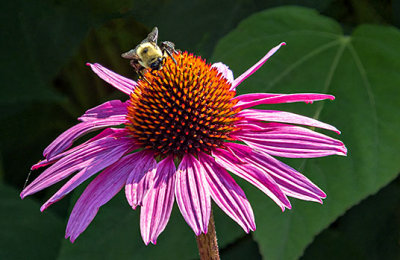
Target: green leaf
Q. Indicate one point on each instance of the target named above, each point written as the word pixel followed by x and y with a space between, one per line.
pixel 361 70
pixel 25 232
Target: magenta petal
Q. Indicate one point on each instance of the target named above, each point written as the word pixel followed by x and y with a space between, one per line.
pixel 224 70
pixel 98 192
pixel 65 140
pixel 92 157
pixel 289 141
pixel 291 182
pixel 99 164
pixel 119 82
pixel 289 98
pixel 235 161
pixel 140 178
pixel 283 117
pixel 192 195
pixel 227 194
pixel 158 202
pixel 105 110
pixel 102 134
pixel 256 66
pixel 254 96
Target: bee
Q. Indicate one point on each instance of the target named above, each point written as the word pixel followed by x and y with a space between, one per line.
pixel 148 55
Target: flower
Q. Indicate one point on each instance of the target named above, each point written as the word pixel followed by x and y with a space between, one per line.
pixel 186 114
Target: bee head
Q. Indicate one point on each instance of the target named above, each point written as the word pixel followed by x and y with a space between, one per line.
pixel 156 63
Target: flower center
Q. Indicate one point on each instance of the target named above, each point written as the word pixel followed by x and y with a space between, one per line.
pixel 182 108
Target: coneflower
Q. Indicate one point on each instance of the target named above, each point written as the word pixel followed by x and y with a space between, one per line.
pixel 175 138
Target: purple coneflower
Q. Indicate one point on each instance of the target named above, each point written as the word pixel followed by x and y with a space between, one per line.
pixel 175 138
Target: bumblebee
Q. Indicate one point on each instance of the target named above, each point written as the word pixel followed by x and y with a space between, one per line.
pixel 148 55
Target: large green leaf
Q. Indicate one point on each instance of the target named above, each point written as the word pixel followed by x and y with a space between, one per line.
pixel 25 232
pixel 361 70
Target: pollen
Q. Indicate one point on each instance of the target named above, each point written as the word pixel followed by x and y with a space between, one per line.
pixel 185 107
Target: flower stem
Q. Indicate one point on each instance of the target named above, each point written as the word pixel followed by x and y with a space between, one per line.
pixel 207 243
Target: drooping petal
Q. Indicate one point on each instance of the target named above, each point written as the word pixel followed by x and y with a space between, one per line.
pixel 283 117
pixel 65 140
pixel 256 66
pixel 119 82
pixel 100 163
pixel 105 110
pixel 291 182
pixel 235 161
pixel 289 98
pixel 224 70
pixel 103 188
pixel 289 141
pixel 140 178
pixel 192 195
pixel 158 202
pixel 94 157
pixel 227 194
pixel 102 134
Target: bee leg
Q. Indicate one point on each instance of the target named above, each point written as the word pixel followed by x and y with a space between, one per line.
pixel 141 76
pixel 169 48
pixel 170 54
pixel 146 80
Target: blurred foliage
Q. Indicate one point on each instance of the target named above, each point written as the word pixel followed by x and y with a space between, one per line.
pixel 46 85
pixel 348 237
pixel 26 232
pixel 115 234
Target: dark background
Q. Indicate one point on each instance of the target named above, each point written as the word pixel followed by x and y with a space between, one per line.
pixel 45 86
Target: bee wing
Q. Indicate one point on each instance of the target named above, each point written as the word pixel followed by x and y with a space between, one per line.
pixel 152 37
pixel 168 45
pixel 131 55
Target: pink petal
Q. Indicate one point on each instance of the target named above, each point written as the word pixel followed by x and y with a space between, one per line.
pixel 192 195
pixel 100 163
pixel 119 82
pixel 104 187
pixel 291 182
pixel 105 110
pixel 256 66
pixel 235 161
pixel 140 178
pixel 254 96
pixel 224 70
pixel 158 202
pixel 104 133
pixel 106 149
pixel 289 141
pixel 283 117
pixel 290 98
pixel 65 140
pixel 227 194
